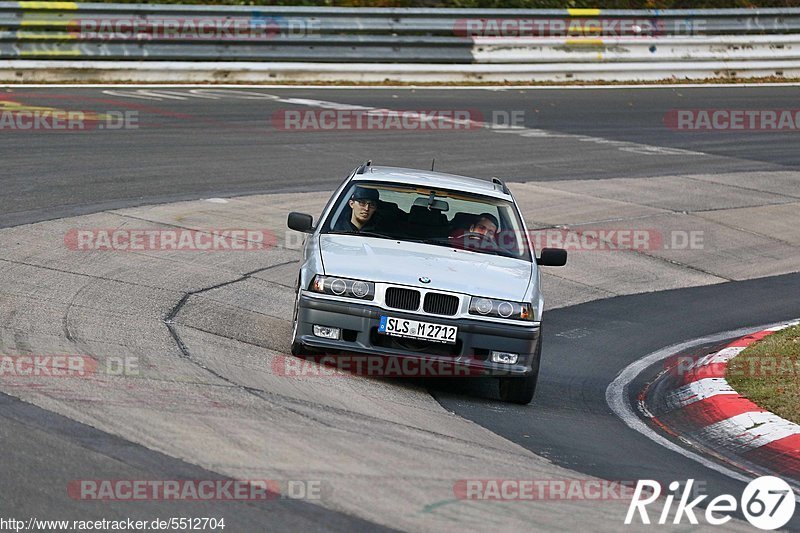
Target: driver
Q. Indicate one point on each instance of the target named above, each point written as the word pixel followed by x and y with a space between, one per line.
pixel 363 205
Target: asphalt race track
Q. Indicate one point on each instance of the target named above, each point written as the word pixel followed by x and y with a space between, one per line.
pixel 572 424
pixel 190 147
pixel 222 144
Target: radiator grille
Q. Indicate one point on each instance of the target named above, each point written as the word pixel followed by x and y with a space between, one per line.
pixel 398 298
pixel 440 304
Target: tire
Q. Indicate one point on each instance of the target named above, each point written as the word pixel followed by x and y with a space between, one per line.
pixel 521 390
pixel 298 348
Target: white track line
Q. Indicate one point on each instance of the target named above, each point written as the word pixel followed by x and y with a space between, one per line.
pixel 754 429
pixel 724 356
pixel 395 87
pixel 625 146
pixel 697 391
pixel 617 397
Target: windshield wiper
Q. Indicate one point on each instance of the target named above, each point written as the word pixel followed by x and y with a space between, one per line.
pixel 445 241
pixel 441 241
pixel 362 233
pixel 375 234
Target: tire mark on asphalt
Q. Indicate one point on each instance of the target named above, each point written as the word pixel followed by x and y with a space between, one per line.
pixel 169 320
pixel 82 274
pixel 737 186
pixel 65 321
pixel 294 405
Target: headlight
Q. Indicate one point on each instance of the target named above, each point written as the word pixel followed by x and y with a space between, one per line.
pixel 347 288
pixel 501 309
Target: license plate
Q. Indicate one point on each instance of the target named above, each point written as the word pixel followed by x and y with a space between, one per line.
pixel 413 329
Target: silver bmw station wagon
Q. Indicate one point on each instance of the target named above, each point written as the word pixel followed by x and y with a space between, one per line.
pixel 423 265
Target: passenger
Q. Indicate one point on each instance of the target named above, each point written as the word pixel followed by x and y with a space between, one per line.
pixel 480 235
pixel 363 205
pixel 484 228
pixel 486 225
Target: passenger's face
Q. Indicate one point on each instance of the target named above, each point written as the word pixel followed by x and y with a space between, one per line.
pixel 363 210
pixel 484 226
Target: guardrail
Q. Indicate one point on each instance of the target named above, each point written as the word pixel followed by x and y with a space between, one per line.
pixel 67 31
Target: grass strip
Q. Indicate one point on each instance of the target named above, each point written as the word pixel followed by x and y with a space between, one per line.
pixel 768 373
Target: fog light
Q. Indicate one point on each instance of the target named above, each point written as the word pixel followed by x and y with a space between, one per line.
pixel 504 357
pixel 326 333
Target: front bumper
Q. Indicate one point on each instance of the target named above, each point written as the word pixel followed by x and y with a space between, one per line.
pixel 475 339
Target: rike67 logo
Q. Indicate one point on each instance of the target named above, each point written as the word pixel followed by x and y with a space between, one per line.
pixel 767 503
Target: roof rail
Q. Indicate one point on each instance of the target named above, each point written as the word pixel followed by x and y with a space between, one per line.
pixel 363 168
pixel 498 181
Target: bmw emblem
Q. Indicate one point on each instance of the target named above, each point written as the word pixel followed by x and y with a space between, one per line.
pixel 425 280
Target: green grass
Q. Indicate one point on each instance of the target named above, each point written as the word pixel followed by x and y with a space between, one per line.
pixel 768 373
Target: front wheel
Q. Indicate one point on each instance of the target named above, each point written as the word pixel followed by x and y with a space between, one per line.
pixel 297 347
pixel 520 390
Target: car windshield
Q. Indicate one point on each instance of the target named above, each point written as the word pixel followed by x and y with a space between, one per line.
pixel 436 217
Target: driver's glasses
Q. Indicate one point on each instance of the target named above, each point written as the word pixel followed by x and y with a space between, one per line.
pixel 369 204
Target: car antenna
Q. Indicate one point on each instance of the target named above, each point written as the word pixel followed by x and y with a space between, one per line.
pixel 433 163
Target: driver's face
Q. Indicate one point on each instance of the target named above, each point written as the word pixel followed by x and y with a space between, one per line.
pixel 363 210
pixel 485 227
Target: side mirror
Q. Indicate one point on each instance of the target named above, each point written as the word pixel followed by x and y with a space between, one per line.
pixel 552 257
pixel 300 222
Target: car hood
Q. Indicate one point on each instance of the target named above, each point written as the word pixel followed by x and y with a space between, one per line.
pixel 390 261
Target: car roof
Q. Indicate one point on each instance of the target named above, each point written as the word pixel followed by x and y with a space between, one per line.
pixel 429 178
